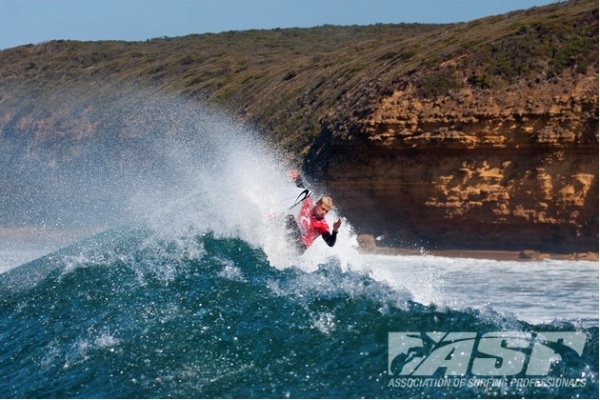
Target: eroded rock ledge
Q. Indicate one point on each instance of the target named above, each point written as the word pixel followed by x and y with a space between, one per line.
pixel 478 169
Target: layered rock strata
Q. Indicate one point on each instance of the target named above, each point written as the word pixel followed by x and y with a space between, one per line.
pixel 476 169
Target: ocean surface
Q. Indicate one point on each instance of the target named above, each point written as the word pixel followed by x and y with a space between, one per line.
pixel 191 291
pixel 135 314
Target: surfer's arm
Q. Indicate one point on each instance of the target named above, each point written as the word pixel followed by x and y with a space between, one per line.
pixel 297 178
pixel 329 238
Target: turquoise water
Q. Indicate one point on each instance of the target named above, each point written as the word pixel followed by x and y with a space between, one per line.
pixel 134 314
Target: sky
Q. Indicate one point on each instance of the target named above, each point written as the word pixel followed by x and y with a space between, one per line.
pixel 36 21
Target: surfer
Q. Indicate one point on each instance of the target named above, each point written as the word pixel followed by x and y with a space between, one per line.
pixel 310 222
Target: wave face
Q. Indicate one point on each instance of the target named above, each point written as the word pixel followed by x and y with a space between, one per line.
pixel 132 314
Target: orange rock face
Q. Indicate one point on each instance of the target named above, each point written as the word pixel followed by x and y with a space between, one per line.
pixel 482 169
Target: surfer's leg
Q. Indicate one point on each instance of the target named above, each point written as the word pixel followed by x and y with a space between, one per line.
pixel 290 222
pixel 293 234
pixel 291 228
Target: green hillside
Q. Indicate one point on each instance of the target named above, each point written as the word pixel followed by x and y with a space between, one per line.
pixel 285 80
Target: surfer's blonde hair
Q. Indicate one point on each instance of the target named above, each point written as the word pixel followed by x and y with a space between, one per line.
pixel 326 202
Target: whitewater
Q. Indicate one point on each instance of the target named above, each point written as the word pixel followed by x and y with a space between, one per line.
pixel 187 287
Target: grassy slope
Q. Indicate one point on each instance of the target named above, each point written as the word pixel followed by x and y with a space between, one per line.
pixel 286 80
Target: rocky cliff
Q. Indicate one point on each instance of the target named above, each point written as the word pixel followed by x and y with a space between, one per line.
pixel 479 169
pixel 478 135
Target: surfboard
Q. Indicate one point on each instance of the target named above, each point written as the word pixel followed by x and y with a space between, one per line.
pixel 288 200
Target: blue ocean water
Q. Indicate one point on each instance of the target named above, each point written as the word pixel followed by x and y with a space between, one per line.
pixel 191 291
pixel 129 314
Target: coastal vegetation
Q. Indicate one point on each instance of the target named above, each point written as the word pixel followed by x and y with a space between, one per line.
pixel 285 80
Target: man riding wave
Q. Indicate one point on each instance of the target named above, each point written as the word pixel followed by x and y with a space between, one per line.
pixel 310 222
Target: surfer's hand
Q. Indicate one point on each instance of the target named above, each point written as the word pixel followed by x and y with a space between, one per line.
pixel 293 174
pixel 337 224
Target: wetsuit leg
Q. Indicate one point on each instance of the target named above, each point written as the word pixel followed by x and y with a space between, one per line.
pixel 293 233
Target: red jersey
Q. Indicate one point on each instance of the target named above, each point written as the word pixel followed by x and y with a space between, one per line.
pixel 310 227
